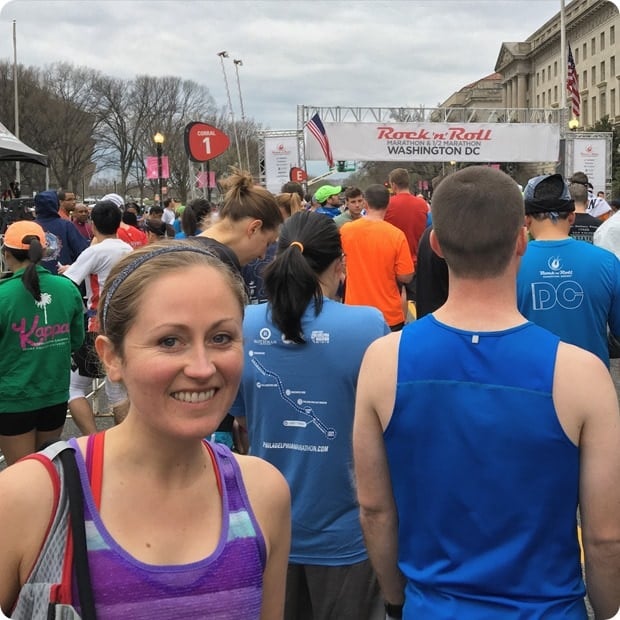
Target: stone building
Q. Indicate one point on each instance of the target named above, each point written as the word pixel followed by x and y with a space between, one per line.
pixel 483 94
pixel 532 70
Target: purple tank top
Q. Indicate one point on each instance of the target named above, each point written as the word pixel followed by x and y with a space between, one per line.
pixel 227 585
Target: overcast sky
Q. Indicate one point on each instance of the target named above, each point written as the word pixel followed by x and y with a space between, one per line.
pixel 311 52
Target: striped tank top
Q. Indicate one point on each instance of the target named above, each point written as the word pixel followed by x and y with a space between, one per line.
pixel 226 585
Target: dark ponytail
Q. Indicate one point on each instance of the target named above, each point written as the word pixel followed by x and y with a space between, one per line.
pixel 195 216
pixel 33 255
pixel 308 244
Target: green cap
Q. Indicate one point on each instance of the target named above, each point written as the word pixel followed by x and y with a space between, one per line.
pixel 323 193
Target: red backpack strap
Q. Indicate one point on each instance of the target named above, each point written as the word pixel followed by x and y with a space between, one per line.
pixel 60 592
pixel 216 468
pixel 94 465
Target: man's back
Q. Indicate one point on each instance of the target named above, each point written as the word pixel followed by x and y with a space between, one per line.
pixel 410 214
pixel 376 253
pixel 93 267
pixel 584 227
pixel 485 474
pixel 571 288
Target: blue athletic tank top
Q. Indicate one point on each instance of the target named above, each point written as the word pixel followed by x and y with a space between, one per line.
pixel 227 585
pixel 485 479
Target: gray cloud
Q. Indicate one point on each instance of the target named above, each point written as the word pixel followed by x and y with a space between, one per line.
pixel 313 52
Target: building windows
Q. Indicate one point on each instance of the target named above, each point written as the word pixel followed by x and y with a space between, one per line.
pixel 602 105
pixel 593 47
pixel 549 72
pixel 555 93
pixel 612 103
pixel 549 96
pixel 593 74
pixel 537 78
pixel 576 56
pixel 543 105
pixel 602 44
pixel 555 69
pixel 584 81
pixel 585 51
pixel 593 119
pixel 612 35
pixel 543 75
pixel 612 67
pixel 602 71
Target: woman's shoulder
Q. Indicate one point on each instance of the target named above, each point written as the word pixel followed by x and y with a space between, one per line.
pixel 28 494
pixel 262 480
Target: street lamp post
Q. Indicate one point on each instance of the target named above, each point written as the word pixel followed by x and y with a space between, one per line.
pixel 573 124
pixel 159 141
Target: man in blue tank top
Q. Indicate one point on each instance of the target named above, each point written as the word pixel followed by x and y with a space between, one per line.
pixel 478 435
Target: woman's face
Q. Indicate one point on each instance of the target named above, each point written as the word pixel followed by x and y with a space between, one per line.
pixel 257 241
pixel 182 360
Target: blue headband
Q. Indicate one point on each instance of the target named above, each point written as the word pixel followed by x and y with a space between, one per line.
pixel 134 264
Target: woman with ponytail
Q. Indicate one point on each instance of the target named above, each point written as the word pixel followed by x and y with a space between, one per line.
pixel 41 323
pixel 247 222
pixel 303 351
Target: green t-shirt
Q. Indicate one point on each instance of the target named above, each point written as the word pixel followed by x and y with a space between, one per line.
pixel 36 340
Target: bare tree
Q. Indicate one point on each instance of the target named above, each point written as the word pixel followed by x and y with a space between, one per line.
pixel 70 119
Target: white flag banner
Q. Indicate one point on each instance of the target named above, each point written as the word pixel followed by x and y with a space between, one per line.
pixel 280 157
pixel 466 142
pixel 590 156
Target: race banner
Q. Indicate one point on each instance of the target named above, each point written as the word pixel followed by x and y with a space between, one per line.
pixel 459 142
pixel 590 156
pixel 280 157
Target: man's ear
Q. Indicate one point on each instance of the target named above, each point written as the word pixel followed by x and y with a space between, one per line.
pixel 522 240
pixel 435 244
pixel 109 358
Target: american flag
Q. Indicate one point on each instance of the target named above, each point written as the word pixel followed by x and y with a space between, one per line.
pixel 572 85
pixel 315 125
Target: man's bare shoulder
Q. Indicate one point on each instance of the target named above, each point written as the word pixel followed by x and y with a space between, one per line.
pixel 583 390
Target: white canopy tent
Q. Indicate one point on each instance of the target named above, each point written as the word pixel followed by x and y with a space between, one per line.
pixel 12 149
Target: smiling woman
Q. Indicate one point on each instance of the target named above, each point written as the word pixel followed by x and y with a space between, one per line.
pixel 213 526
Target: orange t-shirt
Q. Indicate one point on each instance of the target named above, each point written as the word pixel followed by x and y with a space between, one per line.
pixel 376 252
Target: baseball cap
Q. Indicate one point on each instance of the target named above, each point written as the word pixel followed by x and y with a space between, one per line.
pixel 115 198
pixel 323 193
pixel 547 193
pixel 16 233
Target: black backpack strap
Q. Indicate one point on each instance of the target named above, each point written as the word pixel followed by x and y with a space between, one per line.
pixel 78 531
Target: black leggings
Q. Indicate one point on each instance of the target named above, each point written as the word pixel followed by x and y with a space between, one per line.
pixel 45 419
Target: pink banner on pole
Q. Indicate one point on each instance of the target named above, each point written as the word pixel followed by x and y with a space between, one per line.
pixel 152 168
pixel 205 179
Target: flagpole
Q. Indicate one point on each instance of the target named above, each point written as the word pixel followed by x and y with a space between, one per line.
pixel 563 54
pixel 223 55
pixel 15 97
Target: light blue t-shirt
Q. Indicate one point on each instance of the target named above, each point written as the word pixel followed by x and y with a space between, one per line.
pixel 299 403
pixel 571 288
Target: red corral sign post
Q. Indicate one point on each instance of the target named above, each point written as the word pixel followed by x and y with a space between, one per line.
pixel 298 175
pixel 204 142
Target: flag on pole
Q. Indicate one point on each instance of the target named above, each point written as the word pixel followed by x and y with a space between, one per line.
pixel 315 125
pixel 572 85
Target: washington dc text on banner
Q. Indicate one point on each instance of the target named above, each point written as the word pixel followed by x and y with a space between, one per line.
pixel 470 142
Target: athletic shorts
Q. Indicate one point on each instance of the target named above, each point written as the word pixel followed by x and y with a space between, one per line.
pixel 349 592
pixel 86 360
pixel 43 420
